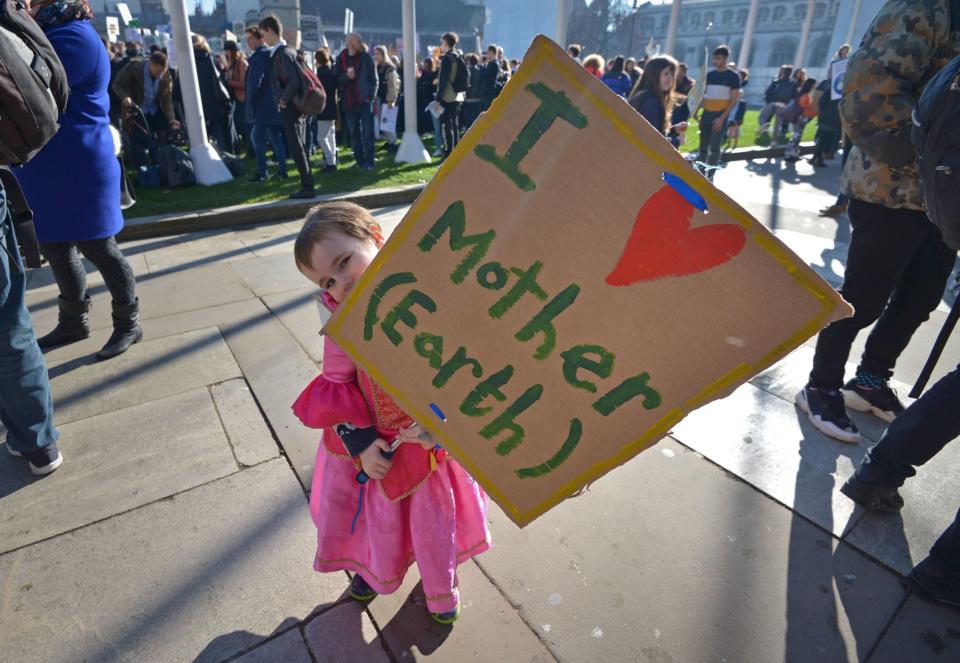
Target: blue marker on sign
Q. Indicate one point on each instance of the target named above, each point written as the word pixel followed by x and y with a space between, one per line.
pixel 437 411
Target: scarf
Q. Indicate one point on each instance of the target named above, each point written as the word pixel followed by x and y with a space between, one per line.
pixel 59 12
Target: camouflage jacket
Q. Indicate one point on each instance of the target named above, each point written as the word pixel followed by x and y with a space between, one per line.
pixel 907 43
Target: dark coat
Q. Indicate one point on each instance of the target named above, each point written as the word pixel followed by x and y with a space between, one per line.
pixel 328 78
pixel 285 75
pixel 78 165
pixel 363 88
pixel 619 83
pixel 489 79
pixel 216 104
pixel 650 108
pixel 261 106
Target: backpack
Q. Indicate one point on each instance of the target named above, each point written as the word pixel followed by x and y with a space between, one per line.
pixel 33 85
pixel 936 137
pixel 461 78
pixel 312 98
pixel 176 169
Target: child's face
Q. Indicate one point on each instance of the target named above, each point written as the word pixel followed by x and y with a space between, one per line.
pixel 337 263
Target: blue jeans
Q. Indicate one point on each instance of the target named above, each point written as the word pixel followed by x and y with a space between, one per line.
pixel 259 135
pixel 360 127
pixel 26 407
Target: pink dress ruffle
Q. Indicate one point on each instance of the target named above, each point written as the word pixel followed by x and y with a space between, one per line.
pixel 440 525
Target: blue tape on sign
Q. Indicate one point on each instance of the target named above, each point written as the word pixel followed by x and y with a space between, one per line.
pixel 686 191
pixel 437 411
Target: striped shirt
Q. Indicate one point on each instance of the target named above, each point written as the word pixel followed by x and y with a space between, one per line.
pixel 719 89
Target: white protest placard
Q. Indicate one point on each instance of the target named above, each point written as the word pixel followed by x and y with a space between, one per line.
pixel 124 12
pixel 388 119
pixel 113 28
pixel 838 69
pixel 309 31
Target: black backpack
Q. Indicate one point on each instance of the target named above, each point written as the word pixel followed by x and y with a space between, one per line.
pixel 33 85
pixel 461 78
pixel 936 137
pixel 176 169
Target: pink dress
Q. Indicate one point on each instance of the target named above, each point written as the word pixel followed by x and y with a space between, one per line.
pixel 427 509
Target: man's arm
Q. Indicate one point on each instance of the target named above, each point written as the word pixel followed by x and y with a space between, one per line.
pixel 254 80
pixel 166 97
pixel 882 75
pixel 125 82
pixel 735 95
pixel 372 78
pixel 291 71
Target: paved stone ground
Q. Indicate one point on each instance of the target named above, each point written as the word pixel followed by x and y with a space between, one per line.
pixel 177 529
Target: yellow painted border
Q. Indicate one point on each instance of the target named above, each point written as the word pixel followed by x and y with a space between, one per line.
pixel 545 52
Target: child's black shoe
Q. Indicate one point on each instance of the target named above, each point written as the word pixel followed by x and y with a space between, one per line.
pixel 360 590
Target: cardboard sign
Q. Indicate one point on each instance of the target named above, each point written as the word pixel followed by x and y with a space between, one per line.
pixel 838 69
pixel 557 299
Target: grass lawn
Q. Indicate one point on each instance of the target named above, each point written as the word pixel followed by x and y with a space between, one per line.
pixel 748 132
pixel 239 191
pixel 388 173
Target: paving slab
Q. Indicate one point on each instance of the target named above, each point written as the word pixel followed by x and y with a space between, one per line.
pixel 286 648
pixel 160 293
pixel 200 576
pixel 303 316
pixel 84 387
pixel 930 505
pixel 199 248
pixel 249 436
pixel 268 239
pixel 922 633
pixel 344 633
pixel 771 444
pixel 489 628
pixel 168 325
pixel 115 462
pixel 277 371
pixel 670 558
pixel 270 274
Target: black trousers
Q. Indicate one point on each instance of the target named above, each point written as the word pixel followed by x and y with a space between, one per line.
pixel 897 268
pixel 295 126
pixel 914 438
pixel 450 126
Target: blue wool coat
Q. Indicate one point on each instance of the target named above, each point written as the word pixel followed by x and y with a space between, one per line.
pixel 73 183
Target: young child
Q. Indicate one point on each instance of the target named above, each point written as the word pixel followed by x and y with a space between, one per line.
pixel 418 505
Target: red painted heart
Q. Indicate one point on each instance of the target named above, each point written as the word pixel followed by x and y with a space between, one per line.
pixel 662 244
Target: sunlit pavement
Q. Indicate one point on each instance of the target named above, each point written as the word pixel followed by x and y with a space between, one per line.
pixel 177 529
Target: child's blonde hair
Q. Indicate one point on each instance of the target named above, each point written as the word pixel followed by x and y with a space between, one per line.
pixel 326 218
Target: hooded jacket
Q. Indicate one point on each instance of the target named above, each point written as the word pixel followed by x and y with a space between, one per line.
pixel 907 43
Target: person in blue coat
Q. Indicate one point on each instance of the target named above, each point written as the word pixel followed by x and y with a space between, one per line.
pixel 73 185
pixel 262 112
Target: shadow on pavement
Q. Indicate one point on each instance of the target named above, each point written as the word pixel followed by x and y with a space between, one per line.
pixel 819 582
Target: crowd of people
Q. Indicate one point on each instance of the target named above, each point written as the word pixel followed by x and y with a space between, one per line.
pixel 896 272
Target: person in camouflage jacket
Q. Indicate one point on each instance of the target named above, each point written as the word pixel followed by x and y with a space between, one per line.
pixel 897 263
pixel 907 43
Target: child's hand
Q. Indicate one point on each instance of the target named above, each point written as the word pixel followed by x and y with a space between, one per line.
pixel 417 435
pixel 375 465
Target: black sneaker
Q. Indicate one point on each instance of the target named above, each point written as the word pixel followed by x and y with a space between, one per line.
pixel 873 496
pixel 930 580
pixel 258 178
pixel 882 402
pixel 42 462
pixel 360 590
pixel 827 413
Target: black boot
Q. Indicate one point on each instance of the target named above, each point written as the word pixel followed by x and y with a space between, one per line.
pixel 72 324
pixel 126 330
